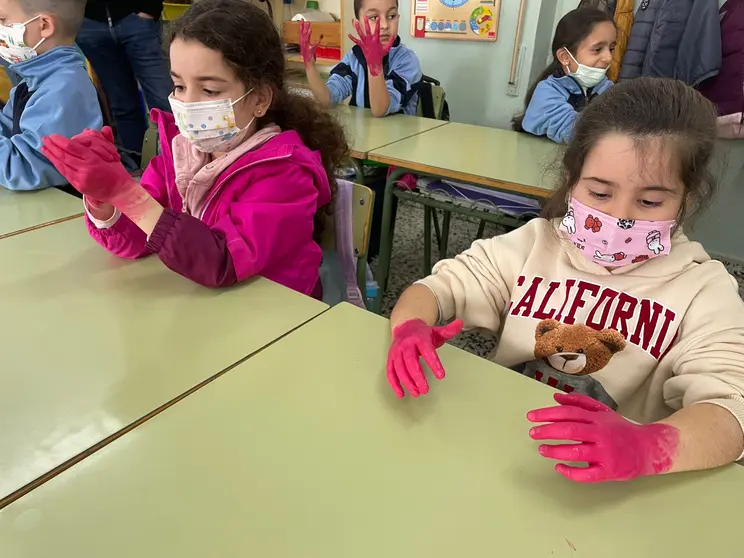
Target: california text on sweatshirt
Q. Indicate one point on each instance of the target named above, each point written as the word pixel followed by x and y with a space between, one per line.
pixel 646 339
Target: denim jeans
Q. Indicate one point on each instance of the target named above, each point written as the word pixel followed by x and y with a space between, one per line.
pixel 122 54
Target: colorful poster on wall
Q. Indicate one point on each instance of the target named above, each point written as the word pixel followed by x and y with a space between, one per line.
pixel 465 20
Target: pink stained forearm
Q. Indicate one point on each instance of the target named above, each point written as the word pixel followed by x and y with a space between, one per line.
pixel 145 215
pixel 709 436
pixel 379 97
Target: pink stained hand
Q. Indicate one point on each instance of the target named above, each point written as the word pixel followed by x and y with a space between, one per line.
pixel 307 47
pixel 91 163
pixel 413 339
pixel 614 448
pixel 372 48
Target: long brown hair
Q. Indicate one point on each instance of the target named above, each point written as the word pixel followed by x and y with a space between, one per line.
pixel 571 30
pixel 251 46
pixel 647 109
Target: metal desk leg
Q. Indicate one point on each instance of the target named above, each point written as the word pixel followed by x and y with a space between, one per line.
pixel 386 236
pixel 445 235
pixel 428 215
pixel 361 277
pixel 359 169
pixel 481 229
pixel 437 234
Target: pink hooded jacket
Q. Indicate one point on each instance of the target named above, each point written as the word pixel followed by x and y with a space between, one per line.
pixel 258 218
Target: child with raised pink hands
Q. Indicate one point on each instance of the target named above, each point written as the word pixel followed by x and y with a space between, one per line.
pixel 606 299
pixel 379 73
pixel 244 168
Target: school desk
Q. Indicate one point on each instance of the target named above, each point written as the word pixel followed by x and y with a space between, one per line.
pixel 304 451
pixel 364 132
pixel 491 157
pixel 25 211
pixel 92 343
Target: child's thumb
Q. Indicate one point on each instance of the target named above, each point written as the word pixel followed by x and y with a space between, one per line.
pixel 450 330
pixel 108 133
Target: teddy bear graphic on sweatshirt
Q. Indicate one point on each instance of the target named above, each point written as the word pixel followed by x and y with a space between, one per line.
pixel 567 355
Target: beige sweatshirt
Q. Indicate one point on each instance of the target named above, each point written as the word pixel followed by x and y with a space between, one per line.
pixel 646 338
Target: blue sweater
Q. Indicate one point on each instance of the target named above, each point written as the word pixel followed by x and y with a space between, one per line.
pixel 402 76
pixel 556 104
pixel 63 101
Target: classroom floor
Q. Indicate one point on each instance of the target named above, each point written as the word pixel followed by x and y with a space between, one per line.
pixel 407 263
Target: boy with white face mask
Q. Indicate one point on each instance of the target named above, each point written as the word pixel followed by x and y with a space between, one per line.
pixel 55 94
pixel 582 48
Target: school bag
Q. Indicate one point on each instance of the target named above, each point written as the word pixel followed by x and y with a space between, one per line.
pixel 432 100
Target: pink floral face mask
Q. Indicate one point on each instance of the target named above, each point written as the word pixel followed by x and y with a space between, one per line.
pixel 614 242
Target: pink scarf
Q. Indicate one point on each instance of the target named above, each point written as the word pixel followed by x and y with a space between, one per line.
pixel 195 174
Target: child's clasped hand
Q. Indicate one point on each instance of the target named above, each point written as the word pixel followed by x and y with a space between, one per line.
pixel 85 159
pixel 91 163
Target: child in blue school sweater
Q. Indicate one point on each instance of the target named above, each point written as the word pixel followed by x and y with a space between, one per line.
pixel 582 51
pixel 54 95
pixel 379 73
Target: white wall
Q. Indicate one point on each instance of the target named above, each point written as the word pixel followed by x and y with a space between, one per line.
pixel 721 229
pixel 475 74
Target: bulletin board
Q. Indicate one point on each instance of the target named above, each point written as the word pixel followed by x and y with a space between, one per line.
pixel 464 20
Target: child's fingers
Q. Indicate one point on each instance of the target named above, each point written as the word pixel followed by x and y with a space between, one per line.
pixel 404 377
pixel 53 154
pixel 575 431
pixel 358 28
pixel 54 151
pixel 581 401
pixel 58 141
pixel 376 31
pixel 67 146
pixel 367 29
pixel 108 133
pixel 392 378
pixel 415 370
pixel 389 44
pixel 431 358
pixel 570 452
pixel 105 154
pixel 57 159
pixel 561 414
pixel 593 473
pixel 355 40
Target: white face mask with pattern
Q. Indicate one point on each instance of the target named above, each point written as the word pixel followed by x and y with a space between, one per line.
pixel 12 47
pixel 586 75
pixel 210 125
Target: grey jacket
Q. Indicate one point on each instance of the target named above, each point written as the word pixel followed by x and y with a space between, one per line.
pixel 674 38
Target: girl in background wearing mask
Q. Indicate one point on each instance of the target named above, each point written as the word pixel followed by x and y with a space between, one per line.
pixel 605 298
pixel 244 169
pixel 582 50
